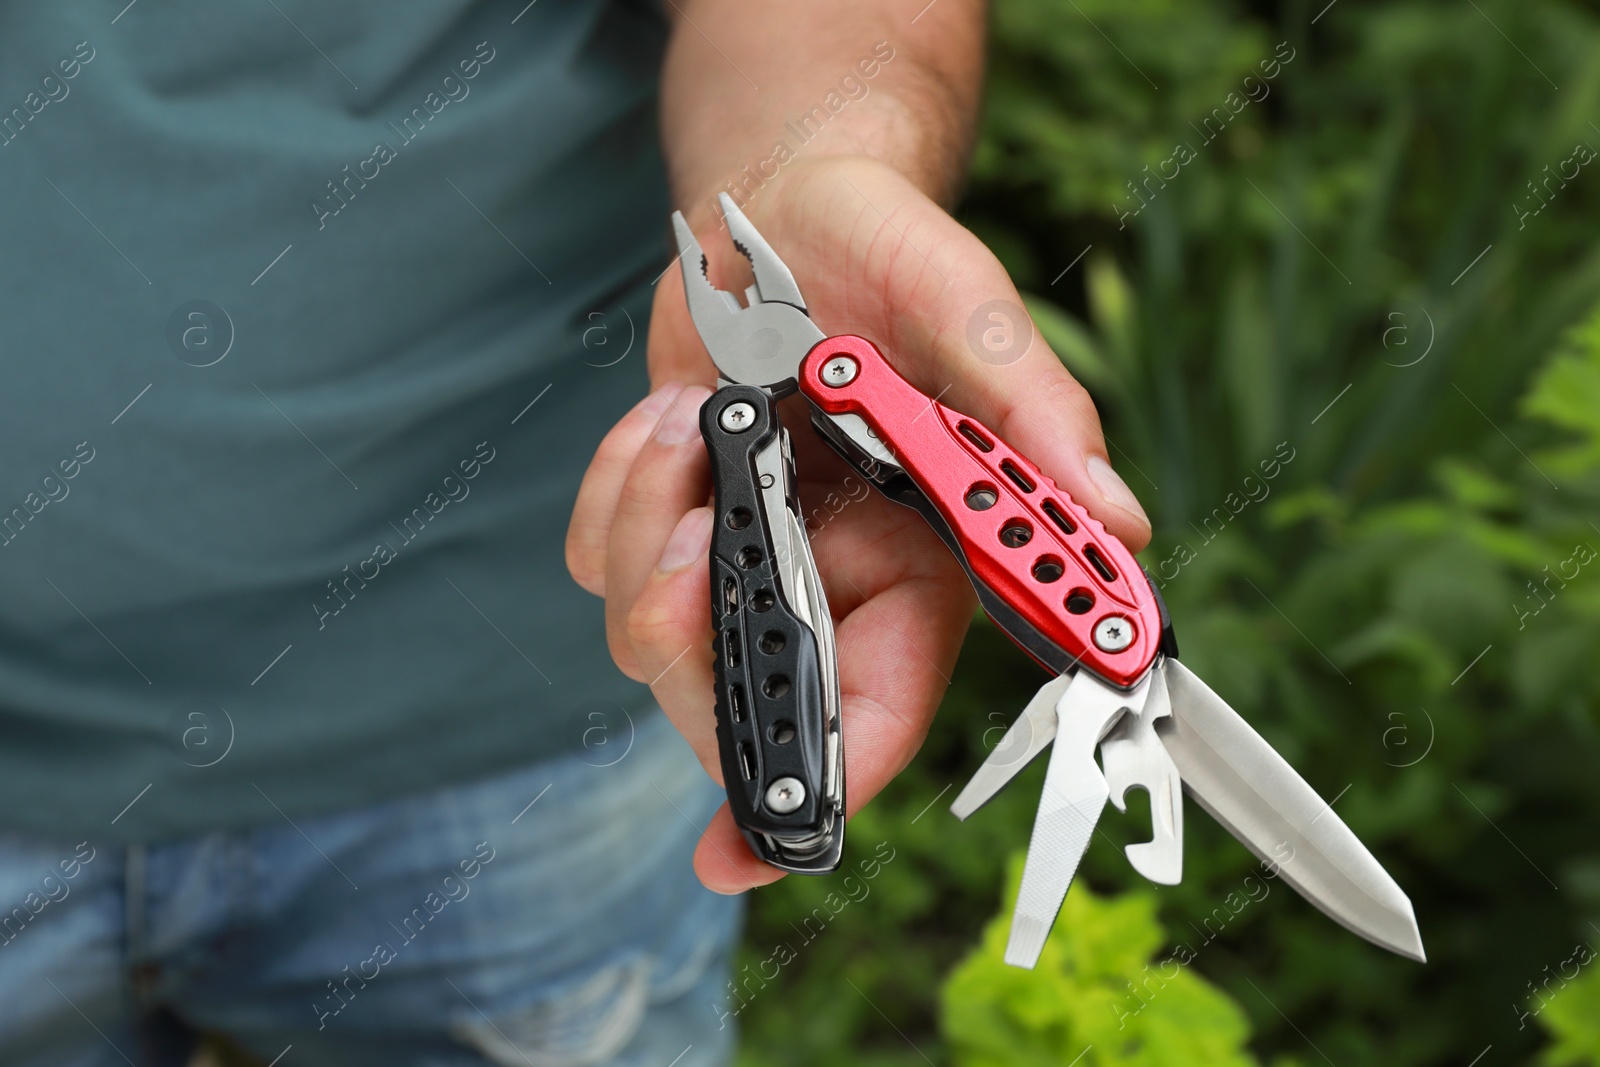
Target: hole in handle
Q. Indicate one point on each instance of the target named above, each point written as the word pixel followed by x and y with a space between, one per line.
pixel 1059 517
pixel 982 497
pixel 973 434
pixel 1016 533
pixel 1022 481
pixel 1093 555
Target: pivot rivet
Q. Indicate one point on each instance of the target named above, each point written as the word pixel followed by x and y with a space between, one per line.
pixel 737 417
pixel 785 795
pixel 1113 633
pixel 839 371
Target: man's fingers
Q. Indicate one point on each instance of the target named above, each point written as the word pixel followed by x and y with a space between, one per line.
pixel 1033 421
pixel 669 629
pixel 724 863
pixel 864 544
pixel 896 652
pixel 669 476
pixel 944 311
pixel 590 529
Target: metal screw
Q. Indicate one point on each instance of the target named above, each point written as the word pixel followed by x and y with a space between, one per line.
pixel 737 417
pixel 840 371
pixel 785 795
pixel 1113 633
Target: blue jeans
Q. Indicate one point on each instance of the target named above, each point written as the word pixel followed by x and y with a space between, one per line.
pixel 462 927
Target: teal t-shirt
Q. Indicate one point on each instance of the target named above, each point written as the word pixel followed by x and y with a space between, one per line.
pixel 311 316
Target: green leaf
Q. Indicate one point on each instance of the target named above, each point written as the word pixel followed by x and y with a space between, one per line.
pixel 1102 995
pixel 1567 394
pixel 1572 1015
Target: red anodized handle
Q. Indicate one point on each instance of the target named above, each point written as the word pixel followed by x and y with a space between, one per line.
pixel 1050 562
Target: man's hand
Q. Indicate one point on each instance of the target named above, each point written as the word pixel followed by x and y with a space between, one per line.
pixel 875 256
pixel 873 104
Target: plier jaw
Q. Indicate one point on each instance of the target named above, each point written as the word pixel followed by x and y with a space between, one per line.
pixel 762 341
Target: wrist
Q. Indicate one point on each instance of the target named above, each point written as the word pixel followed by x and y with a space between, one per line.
pixel 900 108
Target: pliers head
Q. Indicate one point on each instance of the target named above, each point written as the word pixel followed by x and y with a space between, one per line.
pixel 763 342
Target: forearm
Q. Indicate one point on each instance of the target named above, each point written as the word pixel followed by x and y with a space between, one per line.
pixel 749 88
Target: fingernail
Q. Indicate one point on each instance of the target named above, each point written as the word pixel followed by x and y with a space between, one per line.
pixel 1113 488
pixel 690 540
pixel 653 405
pixel 678 424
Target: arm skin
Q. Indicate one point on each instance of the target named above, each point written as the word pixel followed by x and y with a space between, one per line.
pixel 918 116
pixel 858 212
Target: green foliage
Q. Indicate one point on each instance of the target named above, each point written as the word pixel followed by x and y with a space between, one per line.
pixel 1567 395
pixel 1573 1018
pixel 1343 275
pixel 1096 994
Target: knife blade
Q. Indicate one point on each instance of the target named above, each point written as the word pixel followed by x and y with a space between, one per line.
pixel 1244 784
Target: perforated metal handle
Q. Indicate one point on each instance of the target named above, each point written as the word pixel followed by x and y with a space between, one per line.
pixel 772 719
pixel 1047 572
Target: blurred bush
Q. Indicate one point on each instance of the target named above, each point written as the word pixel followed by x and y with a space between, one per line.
pixel 1346 276
pixel 1097 996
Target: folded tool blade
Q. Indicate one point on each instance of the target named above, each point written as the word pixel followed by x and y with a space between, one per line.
pixel 1244 784
pixel 1133 756
pixel 1075 793
pixel 1034 729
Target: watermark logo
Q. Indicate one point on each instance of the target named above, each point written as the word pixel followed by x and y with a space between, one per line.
pixel 1397 738
pixel 999 332
pixel 202 733
pixel 601 343
pixel 607 734
pixel 200 333
pixel 1397 338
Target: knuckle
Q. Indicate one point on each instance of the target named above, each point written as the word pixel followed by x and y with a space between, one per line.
pixel 1061 390
pixel 1056 397
pixel 621 647
pixel 586 566
pixel 650 624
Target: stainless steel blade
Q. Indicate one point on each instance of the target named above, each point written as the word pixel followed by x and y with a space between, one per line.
pixel 1244 784
pixel 794 570
pixel 1132 755
pixel 816 615
pixel 1075 793
pixel 1029 734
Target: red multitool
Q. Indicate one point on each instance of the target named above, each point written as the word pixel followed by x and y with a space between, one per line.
pixel 1075 599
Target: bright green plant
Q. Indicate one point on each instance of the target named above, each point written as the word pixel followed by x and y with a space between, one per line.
pixel 1098 996
pixel 1573 1019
